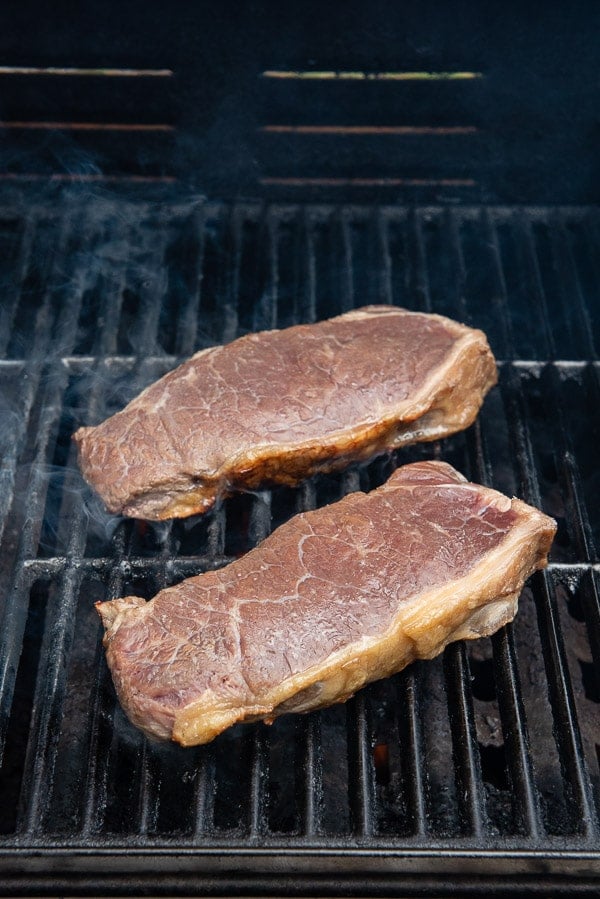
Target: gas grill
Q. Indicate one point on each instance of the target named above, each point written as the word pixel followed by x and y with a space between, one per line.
pixel 145 229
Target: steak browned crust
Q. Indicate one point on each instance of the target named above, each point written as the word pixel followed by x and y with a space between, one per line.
pixel 331 600
pixel 278 406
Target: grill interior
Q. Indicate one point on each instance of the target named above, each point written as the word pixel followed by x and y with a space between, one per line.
pixel 362 101
pixel 479 767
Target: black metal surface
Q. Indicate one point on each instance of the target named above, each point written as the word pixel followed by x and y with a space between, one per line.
pixel 323 100
pixel 476 770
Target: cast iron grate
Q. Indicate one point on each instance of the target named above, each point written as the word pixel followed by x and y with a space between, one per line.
pixel 483 763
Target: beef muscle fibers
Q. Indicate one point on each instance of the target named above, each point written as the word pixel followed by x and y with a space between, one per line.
pixel 331 600
pixel 278 406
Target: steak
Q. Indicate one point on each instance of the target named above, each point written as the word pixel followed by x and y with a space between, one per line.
pixel 331 600
pixel 278 406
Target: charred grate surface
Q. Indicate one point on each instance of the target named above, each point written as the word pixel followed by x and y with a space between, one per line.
pixel 484 762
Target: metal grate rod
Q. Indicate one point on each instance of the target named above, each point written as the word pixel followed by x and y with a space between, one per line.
pixel 566 466
pixel 230 320
pixel 309 769
pixel 259 778
pixel 204 791
pixel 308 310
pixel 347 268
pixel 458 264
pixel 382 224
pixel 102 711
pixel 500 298
pixel 360 765
pixel 261 273
pixel 269 303
pixel 514 727
pixel 413 764
pixel 188 312
pixel 532 265
pixel 570 289
pixel 470 792
pixel 419 257
pixel 148 804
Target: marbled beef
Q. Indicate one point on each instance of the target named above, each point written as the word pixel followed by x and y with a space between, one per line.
pixel 331 600
pixel 278 406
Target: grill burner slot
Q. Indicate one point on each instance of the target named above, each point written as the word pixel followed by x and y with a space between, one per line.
pixel 490 746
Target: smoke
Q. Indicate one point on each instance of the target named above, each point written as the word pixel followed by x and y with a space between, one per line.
pixel 92 279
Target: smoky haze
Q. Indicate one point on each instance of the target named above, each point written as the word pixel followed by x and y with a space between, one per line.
pixel 101 294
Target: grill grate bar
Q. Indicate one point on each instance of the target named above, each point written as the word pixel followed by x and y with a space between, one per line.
pixel 470 792
pixel 188 566
pixel 259 779
pixel 188 311
pixel 113 283
pixel 452 226
pixel 234 247
pixel 269 303
pixel 164 363
pixel 566 466
pixel 570 288
pixel 360 765
pixel 385 266
pixel 412 755
pixel 153 285
pixel 101 715
pixel 532 264
pixel 526 807
pixel 417 254
pixel 347 268
pixel 308 312
pixel 204 792
pixel 147 806
pixel 309 765
pixel 500 295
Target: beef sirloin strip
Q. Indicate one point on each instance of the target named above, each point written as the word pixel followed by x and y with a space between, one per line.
pixel 331 600
pixel 278 406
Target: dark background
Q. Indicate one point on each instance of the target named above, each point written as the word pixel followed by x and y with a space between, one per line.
pixel 534 109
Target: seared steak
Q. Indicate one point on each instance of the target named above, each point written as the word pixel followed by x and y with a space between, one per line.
pixel 278 406
pixel 331 600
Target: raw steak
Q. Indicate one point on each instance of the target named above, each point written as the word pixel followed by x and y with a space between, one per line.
pixel 278 406
pixel 331 600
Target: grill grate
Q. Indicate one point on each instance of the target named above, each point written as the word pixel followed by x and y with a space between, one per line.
pixel 483 763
